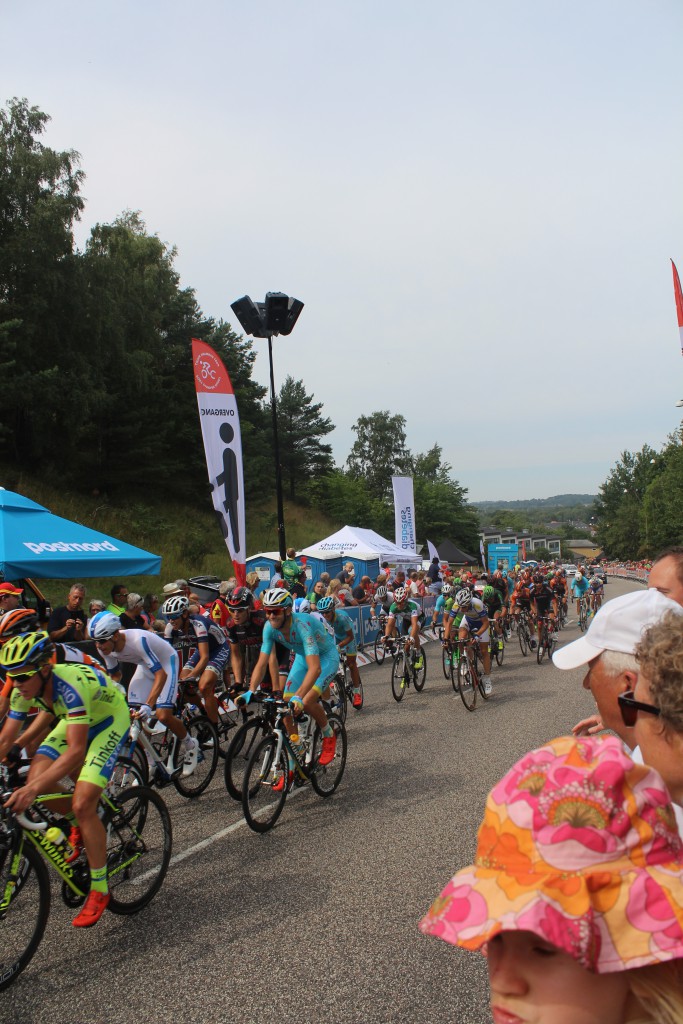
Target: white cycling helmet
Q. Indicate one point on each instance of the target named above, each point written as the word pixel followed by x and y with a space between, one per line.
pixel 174 606
pixel 381 592
pixel 400 594
pixel 463 598
pixel 579 576
pixel 446 588
pixel 104 625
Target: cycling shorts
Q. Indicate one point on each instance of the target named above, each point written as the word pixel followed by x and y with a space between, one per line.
pixel 141 684
pixel 329 666
pixel 472 627
pixel 217 664
pixel 105 741
pixel 351 650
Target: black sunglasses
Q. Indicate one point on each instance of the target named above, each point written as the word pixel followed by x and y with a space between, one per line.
pixel 23 677
pixel 629 708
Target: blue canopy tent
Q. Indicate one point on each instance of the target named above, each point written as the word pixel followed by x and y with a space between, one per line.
pixel 40 545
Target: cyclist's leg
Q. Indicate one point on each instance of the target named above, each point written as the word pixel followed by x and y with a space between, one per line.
pixel 207 682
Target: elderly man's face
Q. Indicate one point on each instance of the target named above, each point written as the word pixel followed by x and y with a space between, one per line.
pixel 606 689
pixel 664 578
pixel 75 599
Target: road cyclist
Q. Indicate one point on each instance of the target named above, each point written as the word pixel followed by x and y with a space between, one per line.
pixel 210 657
pixel 411 616
pixel 316 661
pixel 579 590
pixel 596 592
pixel 345 639
pixel 542 598
pixel 153 690
pixel 442 604
pixel 92 723
pixel 495 609
pixel 475 623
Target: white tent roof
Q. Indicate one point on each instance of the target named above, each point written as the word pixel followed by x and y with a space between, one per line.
pixel 355 542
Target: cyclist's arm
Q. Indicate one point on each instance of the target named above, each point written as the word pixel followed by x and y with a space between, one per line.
pixel 160 677
pixel 259 670
pixel 348 639
pixel 484 625
pixel 67 763
pixel 42 724
pixel 196 670
pixel 9 735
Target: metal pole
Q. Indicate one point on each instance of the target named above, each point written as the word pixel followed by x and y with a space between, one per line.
pixel 278 469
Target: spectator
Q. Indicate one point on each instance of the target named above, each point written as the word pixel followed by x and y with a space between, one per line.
pixel 10 597
pixel 318 591
pixel 298 587
pixel 576 850
pixel 413 586
pixel 386 572
pixel 253 581
pixel 325 578
pixel 333 591
pixel 666 574
pixel 291 569
pixel 608 652
pixel 434 576
pixel 119 599
pixel 276 579
pixel 94 607
pixel 362 594
pixel 67 623
pixel 657 719
pixel 150 606
pixel 133 617
pixel 347 574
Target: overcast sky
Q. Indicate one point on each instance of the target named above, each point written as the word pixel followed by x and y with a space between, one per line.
pixel 477 202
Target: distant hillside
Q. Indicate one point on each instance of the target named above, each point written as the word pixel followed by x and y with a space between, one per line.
pixel 558 501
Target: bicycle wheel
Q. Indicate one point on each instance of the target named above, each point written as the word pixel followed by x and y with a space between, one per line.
pixel 325 779
pixel 399 680
pixel 239 752
pixel 23 922
pixel 479 675
pixel 228 721
pixel 466 687
pixel 339 700
pixel 499 649
pixel 420 674
pixel 380 650
pixel 523 639
pixel 139 841
pixel 455 662
pixel 262 805
pixel 541 647
pixel 204 733
pixel 446 665
pixel 583 618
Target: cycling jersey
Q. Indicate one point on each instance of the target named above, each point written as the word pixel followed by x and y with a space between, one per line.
pixel 204 631
pixel 82 695
pixel 596 584
pixel 579 587
pixel 248 633
pixel 443 604
pixel 408 610
pixel 494 604
pixel 542 595
pixel 341 626
pixel 473 615
pixel 150 653
pixel 308 636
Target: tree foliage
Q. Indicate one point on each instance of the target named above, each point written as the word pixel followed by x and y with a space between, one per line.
pixel 301 427
pixel 379 452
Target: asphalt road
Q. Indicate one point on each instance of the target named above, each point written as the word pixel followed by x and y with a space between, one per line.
pixel 317 920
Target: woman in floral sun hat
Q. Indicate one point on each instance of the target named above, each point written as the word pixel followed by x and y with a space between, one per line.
pixel 576 892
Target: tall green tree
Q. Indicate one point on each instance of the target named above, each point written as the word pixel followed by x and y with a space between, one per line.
pixel 301 426
pixel 39 202
pixel 441 508
pixel 379 452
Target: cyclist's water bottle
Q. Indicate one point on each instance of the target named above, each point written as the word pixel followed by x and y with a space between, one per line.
pixel 58 839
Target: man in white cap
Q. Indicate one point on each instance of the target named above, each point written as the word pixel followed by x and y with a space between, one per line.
pixel 607 651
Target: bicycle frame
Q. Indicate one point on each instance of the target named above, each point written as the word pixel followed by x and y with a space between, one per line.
pixel 282 711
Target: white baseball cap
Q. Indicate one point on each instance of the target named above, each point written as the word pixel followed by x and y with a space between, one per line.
pixel 618 626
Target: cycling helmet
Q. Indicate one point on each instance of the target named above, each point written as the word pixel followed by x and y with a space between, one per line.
pixel 446 589
pixel 484 576
pixel 302 605
pixel 325 604
pixel 463 598
pixel 488 592
pixel 175 606
pixel 104 625
pixel 19 620
pixel 400 594
pixel 240 597
pixel 277 598
pixel 579 576
pixel 539 578
pixel 26 652
pixel 381 592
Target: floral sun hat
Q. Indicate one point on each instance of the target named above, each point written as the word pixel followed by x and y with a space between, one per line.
pixel 578 845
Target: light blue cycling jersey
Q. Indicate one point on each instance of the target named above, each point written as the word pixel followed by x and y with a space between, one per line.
pixel 307 636
pixel 342 625
pixel 579 587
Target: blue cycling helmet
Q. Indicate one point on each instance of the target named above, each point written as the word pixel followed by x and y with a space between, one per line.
pixel 104 625
pixel 325 604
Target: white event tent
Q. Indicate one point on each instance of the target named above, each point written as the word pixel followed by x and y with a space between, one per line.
pixel 354 543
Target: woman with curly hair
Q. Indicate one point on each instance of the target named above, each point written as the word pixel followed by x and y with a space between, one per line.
pixel 654 708
pixel 576 893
